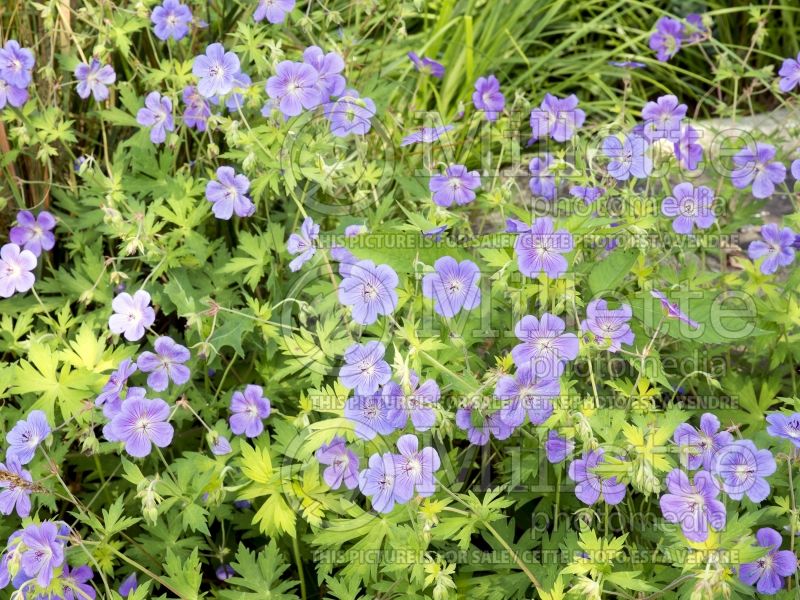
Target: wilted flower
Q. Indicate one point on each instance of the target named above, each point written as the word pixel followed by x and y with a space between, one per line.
pixel 426 135
pixel 228 194
pixel 216 71
pixel 777 245
pixel 249 409
pixel 302 244
pixel 132 315
pixel 415 469
pixel 557 448
pixel 589 485
pixel 557 118
pixel 157 115
pixel 693 504
pixel 34 233
pixel 365 369
pixel 274 11
pixel 526 394
pixel 140 423
pixel 672 311
pixel 453 286
pixel 667 38
pixel 744 469
pixel 767 572
pixel 488 98
pixel 166 364
pixel 15 270
pixel 93 78
pixel 757 166
pixel 785 426
pixel 427 65
pixel 295 86
pixel 456 185
pixel 342 464
pixel 26 435
pixel 698 447
pixel 539 249
pixel 689 206
pixel 171 20
pixel 609 325
pixel 370 290
pixel 629 157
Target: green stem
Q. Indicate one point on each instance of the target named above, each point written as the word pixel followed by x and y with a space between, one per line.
pixel 299 562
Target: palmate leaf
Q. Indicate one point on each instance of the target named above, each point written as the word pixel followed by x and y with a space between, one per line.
pixel 184 576
pixel 261 577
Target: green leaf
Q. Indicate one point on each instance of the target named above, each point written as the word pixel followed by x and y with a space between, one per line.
pixel 184 577
pixel 609 272
pixel 259 578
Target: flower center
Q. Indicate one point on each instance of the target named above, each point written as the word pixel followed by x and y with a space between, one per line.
pixel 370 292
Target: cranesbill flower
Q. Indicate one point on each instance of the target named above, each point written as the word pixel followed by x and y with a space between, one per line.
pixel 777 245
pixel 329 68
pixel 274 11
pixel 744 469
pixel 370 290
pixel 488 98
pixel 557 118
pixel 427 65
pixel 425 135
pixel 295 86
pixel 415 469
pixel 696 30
pixel 342 464
pixel 672 311
pixel 249 409
pixel 689 206
pixel 667 38
pixel 165 364
pixel 76 583
pixel 354 230
pixel 688 152
pixel 663 118
pixel 542 181
pixel 94 78
pixel 34 233
pixel 755 165
pixel 228 194
pixel 557 448
pixel 132 315
pixel 693 504
pixel 611 326
pixel 370 415
pixel 452 286
pixel 303 244
pixel 220 445
pixel 416 405
pixel 15 270
pixel 589 195
pixel 350 114
pixel 526 394
pixel 16 485
pixel 171 20
pixel 215 70
pixel 767 572
pixel 785 426
pixel 378 481
pixel 545 348
pixel 224 572
pixel 12 95
pixel 140 423
pixel 234 100
pixel 130 584
pixel 590 486
pixel 197 109
pixel 365 369
pixel 516 226
pixel 456 185
pixel 157 115
pixel 111 394
pixel 628 157
pixel 789 74
pixel 44 552
pixel 698 447
pixel 16 64
pixel 539 249
pixel 26 435
pixel 480 424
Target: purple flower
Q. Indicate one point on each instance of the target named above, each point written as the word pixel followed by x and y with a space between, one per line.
pixel 228 195
pixel 416 405
pixel 76 583
pixel 329 67
pixel 303 244
pixel 590 486
pixel 688 152
pixel 667 38
pixel 663 118
pixel 295 86
pixel 526 393
pixel 693 504
pixel 488 97
pixel 785 426
pixel 370 290
pixel 165 364
pixel 171 20
pixel 140 423
pixel 93 78
pixel 378 481
pixel 370 415
pixel 130 584
pixel 415 469
pixel 366 370
pixel 540 248
pixel 435 233
pixel 696 30
pixel 224 572
pixel 12 95
pixel 767 572
pixel 698 447
pixel 216 71
pixel 132 315
pixel 629 157
pixel 110 396
pixel 689 206
pixel 757 167
pixel 796 169
pixel 157 115
pixel 516 226
pixel 249 409
pixel 15 270
pixel 777 247
pixel 427 65
pixel 557 118
pixel 610 326
pixel 672 311
pixel 557 448
pixel 342 464
pixel 456 185
pixel 273 11
pixel 480 424
pixel 354 230
pixel 589 195
pixel 789 74
pixel 26 435
pixel 545 348
pixel 425 135
pixel 34 233
pixel 16 485
pixel 234 100
pixel 543 181
pixel 743 469
pixel 350 114
pixel 220 446
pixel 44 552
pixel 197 109
pixel 453 286
pixel 16 64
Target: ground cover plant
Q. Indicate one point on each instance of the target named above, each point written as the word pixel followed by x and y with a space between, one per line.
pixel 352 299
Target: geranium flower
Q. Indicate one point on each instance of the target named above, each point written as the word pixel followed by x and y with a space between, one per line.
pixel 755 165
pixel 416 405
pixel 672 311
pixel 249 409
pixel 365 369
pixel 663 118
pixel 481 423
pixel 539 249
pixel 611 326
pixel 590 486
pixel 667 38
pixel 16 485
pixel 342 464
pixel 693 504
pixel 378 481
pixel 44 552
pixel 15 270
pixel 542 182
pixel 228 194
pixel 220 445
pixel 111 394
pixel 370 415
pixel 629 157
pixel 545 348
pixel 789 74
pixel 157 115
pixel 415 469
pixel 11 95
pixel 329 67
pixel 34 233
pixel 26 435
pixel 557 118
pixel 302 244
pixel 425 135
pixel 216 70
pixel 274 11
pixel 452 286
pixel 140 423
pixel 132 315
pixel 16 64
pixel 427 65
pixel 526 394
pixel 94 78
pixel 688 152
pixel 589 195
pixel 689 206
pixel 295 86
pixel 488 98
pixel 557 448
pixel 370 290
pixel 785 426
pixel 76 583
pixel 744 469
pixel 166 364
pixel 456 185
pixel 698 447
pixel 197 109
pixel 767 572
pixel 350 114
pixel 171 20
pixel 130 584
pixel 777 245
